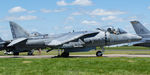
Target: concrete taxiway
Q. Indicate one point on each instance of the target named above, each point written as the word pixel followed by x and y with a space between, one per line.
pixel 76 56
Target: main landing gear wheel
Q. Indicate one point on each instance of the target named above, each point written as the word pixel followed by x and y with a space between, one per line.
pixel 99 53
pixel 65 54
pixel 30 52
pixel 15 53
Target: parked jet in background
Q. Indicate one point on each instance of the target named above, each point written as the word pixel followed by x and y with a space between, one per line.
pixel 143 32
pixel 69 42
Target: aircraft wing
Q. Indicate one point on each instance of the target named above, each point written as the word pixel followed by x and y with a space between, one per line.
pixel 16 41
pixel 69 37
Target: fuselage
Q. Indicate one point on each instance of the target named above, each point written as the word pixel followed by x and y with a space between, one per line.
pixel 102 38
pixel 106 39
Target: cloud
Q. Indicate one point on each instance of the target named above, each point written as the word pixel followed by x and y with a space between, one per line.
pixel 87 22
pixel 55 10
pixel 132 18
pixel 75 2
pixel 45 10
pixel 61 3
pixel 12 18
pixel 112 18
pixel 108 18
pixel 102 12
pixel 59 10
pixel 148 7
pixel 17 9
pixel 76 13
pixel 82 2
pixel 32 11
pixel 70 18
pixel 68 27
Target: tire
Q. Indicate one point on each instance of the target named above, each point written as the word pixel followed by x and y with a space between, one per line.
pixel 99 53
pixel 31 52
pixel 65 54
pixel 15 53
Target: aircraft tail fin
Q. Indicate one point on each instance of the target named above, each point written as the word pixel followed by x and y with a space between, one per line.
pixel 18 31
pixel 139 28
pixel 1 40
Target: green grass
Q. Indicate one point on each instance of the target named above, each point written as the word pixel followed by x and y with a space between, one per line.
pixel 127 48
pixel 75 66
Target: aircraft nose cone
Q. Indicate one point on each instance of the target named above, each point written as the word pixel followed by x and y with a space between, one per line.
pixel 136 38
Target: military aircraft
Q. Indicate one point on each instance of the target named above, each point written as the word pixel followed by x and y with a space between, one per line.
pixel 69 42
pixel 143 32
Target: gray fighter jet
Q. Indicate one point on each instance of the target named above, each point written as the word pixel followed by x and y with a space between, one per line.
pixel 69 42
pixel 143 32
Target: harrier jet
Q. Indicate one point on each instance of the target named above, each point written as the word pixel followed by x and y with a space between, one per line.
pixel 69 42
pixel 143 32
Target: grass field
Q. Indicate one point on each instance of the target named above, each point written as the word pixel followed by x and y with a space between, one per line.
pixel 79 66
pixel 75 66
pixel 127 48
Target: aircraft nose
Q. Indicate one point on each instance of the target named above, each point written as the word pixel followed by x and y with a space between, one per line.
pixel 136 38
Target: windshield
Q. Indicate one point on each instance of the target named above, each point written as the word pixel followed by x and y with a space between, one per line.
pixel 116 31
pixel 121 31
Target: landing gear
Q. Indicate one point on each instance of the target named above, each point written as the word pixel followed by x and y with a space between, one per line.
pixel 30 52
pixel 15 53
pixel 39 50
pixel 100 53
pixel 65 54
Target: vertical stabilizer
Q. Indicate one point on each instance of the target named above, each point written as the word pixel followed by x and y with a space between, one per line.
pixel 139 28
pixel 18 31
pixel 1 40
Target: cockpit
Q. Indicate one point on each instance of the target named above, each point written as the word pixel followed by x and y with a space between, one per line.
pixel 37 35
pixel 116 31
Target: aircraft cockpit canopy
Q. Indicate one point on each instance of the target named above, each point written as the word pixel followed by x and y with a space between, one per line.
pixel 116 31
pixel 121 31
pixel 37 35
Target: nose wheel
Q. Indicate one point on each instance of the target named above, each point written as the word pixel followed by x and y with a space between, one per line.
pixel 99 53
pixel 30 52
pixel 65 54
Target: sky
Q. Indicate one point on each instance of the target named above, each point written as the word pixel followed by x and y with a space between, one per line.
pixel 60 16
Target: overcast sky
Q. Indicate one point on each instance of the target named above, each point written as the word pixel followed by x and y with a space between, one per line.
pixel 59 16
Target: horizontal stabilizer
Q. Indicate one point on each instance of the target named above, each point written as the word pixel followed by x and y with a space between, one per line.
pixel 16 41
